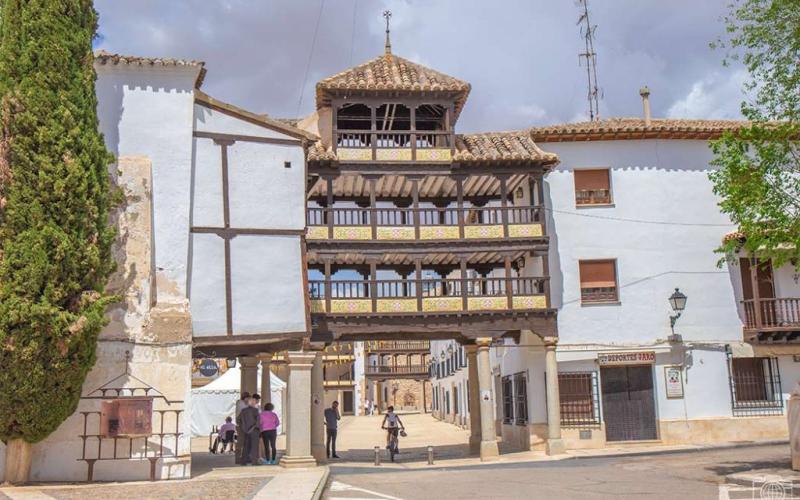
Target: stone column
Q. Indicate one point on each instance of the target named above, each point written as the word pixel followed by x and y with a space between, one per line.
pixel 554 445
pixel 266 384
pixel 474 401
pixel 488 449
pixel 317 410
pixel 248 373
pixel 298 436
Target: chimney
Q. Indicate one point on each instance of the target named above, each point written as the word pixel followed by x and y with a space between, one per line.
pixel 645 93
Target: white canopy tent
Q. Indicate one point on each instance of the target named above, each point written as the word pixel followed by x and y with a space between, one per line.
pixel 217 400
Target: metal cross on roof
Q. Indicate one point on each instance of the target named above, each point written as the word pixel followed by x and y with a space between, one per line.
pixel 388 47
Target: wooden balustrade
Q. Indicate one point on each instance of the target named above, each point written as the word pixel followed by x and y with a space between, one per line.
pixel 401 346
pixel 396 370
pixel 371 143
pixel 775 313
pixel 428 294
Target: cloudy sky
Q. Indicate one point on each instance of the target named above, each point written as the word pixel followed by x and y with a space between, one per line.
pixel 520 55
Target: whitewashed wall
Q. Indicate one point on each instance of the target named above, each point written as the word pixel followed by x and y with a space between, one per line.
pixel 266 270
pixel 656 181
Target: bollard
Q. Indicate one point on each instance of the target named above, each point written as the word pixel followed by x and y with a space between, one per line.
pixel 430 455
pixel 377 455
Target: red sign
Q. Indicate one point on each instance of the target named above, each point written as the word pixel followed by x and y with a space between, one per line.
pixel 626 358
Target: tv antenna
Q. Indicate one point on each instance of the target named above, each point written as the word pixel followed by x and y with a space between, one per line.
pixel 587 32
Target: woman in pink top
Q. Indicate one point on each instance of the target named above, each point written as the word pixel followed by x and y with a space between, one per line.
pixel 269 433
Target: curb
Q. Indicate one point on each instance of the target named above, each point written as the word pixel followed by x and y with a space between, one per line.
pixel 697 449
pixel 322 485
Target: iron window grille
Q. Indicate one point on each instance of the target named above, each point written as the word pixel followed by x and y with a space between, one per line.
pixel 755 386
pixel 579 398
pixel 521 398
pixel 508 400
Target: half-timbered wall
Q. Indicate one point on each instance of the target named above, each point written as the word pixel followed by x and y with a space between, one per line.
pixel 246 271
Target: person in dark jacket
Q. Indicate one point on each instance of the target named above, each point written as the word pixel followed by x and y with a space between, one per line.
pixel 249 426
pixel 332 427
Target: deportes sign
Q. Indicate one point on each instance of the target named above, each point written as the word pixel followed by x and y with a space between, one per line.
pixel 626 358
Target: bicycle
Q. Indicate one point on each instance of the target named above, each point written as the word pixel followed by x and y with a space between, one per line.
pixel 393 441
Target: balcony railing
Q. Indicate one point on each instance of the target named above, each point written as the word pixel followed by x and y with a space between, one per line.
pixel 416 370
pixel 593 197
pixel 427 295
pixel 424 223
pixel 777 314
pixel 401 346
pixel 421 145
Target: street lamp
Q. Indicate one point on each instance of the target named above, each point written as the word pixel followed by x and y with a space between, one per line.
pixel 441 354
pixel 678 302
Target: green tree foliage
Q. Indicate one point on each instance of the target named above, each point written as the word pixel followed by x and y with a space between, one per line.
pixel 54 230
pixel 759 166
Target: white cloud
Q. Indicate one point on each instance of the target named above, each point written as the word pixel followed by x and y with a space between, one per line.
pixel 715 96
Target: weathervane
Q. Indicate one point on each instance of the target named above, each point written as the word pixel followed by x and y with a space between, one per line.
pixel 388 47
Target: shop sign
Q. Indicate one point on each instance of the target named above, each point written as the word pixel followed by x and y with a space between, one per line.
pixel 673 376
pixel 626 358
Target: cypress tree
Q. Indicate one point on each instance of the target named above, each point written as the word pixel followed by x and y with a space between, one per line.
pixel 55 236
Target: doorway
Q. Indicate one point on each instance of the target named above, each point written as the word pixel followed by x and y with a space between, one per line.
pixel 347 403
pixel 629 408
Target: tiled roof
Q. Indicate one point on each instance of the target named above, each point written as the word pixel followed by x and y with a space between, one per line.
pixel 107 58
pixel 389 72
pixel 491 147
pixel 635 128
pixel 500 146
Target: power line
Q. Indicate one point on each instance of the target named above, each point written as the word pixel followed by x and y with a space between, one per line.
pixel 310 56
pixel 639 221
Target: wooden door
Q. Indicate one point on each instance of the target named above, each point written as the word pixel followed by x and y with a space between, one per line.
pixel 766 287
pixel 347 402
pixel 629 408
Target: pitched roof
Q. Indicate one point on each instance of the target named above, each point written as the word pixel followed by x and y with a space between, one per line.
pixel 490 147
pixel 107 58
pixel 635 128
pixel 389 72
pixel 204 99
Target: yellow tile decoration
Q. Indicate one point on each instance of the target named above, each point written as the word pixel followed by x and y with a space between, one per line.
pixel 317 306
pixel 483 232
pixel 487 303
pixel 352 233
pixel 441 304
pixel 395 233
pixel 317 233
pixel 397 305
pixel 524 230
pixel 530 302
pixel 437 154
pixel 354 154
pixel 351 306
pixel 438 233
pixel 399 154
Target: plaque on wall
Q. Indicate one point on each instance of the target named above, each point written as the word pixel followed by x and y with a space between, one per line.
pixel 673 376
pixel 126 417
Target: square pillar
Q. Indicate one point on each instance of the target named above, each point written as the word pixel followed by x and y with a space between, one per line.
pixel 488 449
pixel 554 444
pixel 298 436
pixel 248 382
pixel 266 383
pixel 474 401
pixel 318 410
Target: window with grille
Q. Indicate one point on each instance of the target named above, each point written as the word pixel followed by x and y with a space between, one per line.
pixel 755 386
pixel 579 399
pixel 508 400
pixel 598 281
pixel 592 187
pixel 521 398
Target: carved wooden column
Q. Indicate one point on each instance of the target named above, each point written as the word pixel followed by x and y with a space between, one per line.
pixel 756 292
pixel 415 206
pixel 329 195
pixel 373 284
pixel 418 283
pixel 508 281
pixel 328 286
pixel 463 266
pixel 504 202
pixel 460 204
pixel 373 212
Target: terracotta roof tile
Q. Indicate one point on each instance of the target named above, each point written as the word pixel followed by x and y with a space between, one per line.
pixel 106 58
pixel 389 72
pixel 317 152
pixel 500 146
pixel 635 128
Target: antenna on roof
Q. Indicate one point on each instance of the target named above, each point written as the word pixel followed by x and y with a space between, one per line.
pixel 587 32
pixel 388 47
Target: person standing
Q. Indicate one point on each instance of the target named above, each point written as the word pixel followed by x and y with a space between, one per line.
pixel 332 418
pixel 241 404
pixel 248 424
pixel 269 433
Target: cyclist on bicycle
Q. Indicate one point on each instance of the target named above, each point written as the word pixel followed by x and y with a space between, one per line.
pixel 392 424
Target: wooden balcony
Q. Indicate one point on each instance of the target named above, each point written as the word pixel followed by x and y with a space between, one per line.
pixel 427 296
pixel 772 315
pixel 398 371
pixel 401 346
pixel 394 146
pixel 424 224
